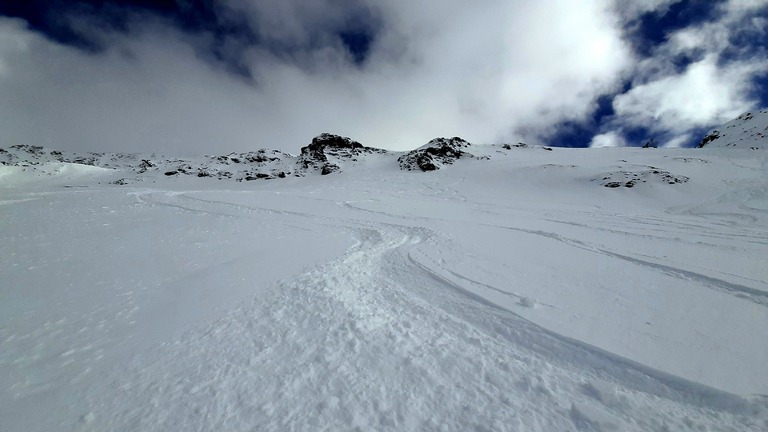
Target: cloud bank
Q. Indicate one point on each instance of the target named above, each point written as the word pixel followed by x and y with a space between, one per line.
pixel 274 74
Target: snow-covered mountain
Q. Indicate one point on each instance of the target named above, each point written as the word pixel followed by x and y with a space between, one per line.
pixel 454 287
pixel 326 154
pixel 749 130
pixel 435 154
pixel 261 164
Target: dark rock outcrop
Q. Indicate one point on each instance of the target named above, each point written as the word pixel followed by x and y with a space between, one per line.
pixel 329 142
pixel 433 155
pixel 715 134
pixel 630 179
pixel 510 146
pixel 327 150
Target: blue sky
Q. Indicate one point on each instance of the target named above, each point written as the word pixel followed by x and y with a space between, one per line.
pixel 212 77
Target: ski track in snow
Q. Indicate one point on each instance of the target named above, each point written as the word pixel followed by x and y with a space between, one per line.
pixel 404 330
pixel 757 296
pixel 375 340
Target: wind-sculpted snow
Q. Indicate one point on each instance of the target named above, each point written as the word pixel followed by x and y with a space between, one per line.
pixel 507 291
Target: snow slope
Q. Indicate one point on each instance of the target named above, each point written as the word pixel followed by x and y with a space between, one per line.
pixel 749 130
pixel 517 289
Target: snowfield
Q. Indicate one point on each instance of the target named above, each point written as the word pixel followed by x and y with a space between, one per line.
pixel 516 288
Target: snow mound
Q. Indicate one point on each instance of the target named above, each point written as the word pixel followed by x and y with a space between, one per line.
pixel 24 163
pixel 749 130
pixel 19 174
pixel 435 154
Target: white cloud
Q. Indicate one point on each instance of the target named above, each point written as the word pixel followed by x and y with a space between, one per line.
pixel 736 8
pixel 139 96
pixel 610 139
pixel 488 72
pixel 678 141
pixel 703 94
pixel 632 9
pixel 437 68
pixel 709 91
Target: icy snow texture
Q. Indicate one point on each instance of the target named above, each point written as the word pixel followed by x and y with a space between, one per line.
pixel 507 291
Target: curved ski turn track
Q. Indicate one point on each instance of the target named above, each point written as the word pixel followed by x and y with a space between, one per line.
pixel 379 339
pixel 438 305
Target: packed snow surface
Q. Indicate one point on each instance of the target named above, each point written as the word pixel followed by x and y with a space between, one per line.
pixel 520 288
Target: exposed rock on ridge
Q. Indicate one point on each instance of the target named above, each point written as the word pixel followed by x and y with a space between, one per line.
pixel 434 155
pixel 326 154
pixel 649 174
pixel 748 131
pixel 327 150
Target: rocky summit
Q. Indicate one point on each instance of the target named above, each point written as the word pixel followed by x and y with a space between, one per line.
pixel 435 154
pixel 328 150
